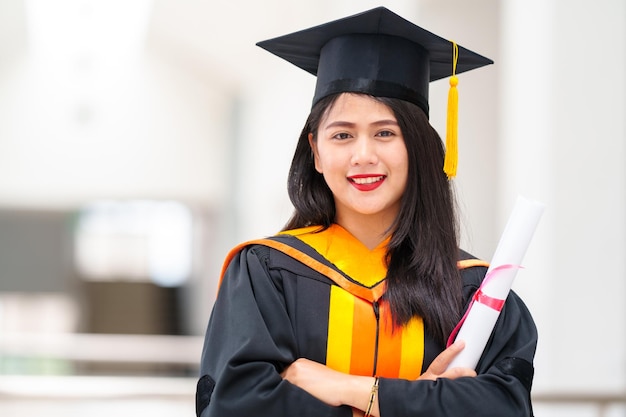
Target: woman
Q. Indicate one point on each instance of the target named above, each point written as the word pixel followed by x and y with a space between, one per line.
pixel 347 311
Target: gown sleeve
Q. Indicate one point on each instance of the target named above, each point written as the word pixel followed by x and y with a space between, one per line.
pixel 501 388
pixel 249 341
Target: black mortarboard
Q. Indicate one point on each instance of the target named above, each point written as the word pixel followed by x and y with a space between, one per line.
pixel 375 52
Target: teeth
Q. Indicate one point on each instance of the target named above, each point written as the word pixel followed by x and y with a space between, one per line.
pixel 368 180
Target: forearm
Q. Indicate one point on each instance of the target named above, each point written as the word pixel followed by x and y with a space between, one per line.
pixel 361 393
pixel 332 387
pixel 485 396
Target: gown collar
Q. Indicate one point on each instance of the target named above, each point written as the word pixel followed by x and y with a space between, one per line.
pixel 346 252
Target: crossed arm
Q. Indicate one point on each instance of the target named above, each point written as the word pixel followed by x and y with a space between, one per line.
pixel 337 388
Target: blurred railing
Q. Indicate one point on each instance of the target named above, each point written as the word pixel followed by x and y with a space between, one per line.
pixel 99 348
pixel 601 402
pixel 177 351
pixel 114 374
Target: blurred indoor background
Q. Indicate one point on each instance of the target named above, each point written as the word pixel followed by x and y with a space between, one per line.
pixel 141 139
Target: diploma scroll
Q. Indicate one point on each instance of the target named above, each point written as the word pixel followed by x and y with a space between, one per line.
pixel 484 310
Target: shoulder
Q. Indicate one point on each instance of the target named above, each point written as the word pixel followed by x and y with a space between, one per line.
pixel 472 269
pixel 276 249
pixel 280 253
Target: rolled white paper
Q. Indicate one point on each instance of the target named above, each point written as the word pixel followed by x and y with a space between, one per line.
pixel 481 319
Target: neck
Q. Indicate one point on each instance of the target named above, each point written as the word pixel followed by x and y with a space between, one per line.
pixel 369 230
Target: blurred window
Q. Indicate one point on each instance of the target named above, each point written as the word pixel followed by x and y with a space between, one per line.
pixel 145 241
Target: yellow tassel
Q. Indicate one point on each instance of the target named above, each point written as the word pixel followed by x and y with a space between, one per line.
pixel 452 152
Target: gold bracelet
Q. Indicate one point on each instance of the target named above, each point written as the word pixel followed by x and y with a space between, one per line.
pixel 372 397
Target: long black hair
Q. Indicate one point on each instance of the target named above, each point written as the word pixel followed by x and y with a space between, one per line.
pixel 422 275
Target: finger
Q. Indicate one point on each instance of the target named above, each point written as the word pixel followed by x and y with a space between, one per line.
pixel 455 373
pixel 444 359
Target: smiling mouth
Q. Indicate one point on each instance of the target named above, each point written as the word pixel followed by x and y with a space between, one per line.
pixel 367 180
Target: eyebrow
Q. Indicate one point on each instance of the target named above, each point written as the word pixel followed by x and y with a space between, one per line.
pixel 341 123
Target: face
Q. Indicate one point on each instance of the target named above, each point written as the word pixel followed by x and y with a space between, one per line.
pixel 360 151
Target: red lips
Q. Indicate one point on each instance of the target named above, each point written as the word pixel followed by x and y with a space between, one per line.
pixel 366 182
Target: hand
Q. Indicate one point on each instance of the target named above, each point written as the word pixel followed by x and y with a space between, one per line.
pixel 316 379
pixel 438 368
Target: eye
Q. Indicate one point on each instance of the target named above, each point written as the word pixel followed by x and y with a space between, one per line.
pixel 341 136
pixel 385 133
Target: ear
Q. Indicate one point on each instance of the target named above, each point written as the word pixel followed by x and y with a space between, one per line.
pixel 316 157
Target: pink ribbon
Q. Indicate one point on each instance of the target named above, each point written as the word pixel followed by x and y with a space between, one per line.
pixel 482 298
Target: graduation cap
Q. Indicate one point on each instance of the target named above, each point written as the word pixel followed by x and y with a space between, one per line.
pixel 378 52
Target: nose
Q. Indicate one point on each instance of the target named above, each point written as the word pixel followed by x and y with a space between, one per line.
pixel 364 152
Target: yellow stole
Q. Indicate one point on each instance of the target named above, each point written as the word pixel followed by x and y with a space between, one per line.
pixel 351 346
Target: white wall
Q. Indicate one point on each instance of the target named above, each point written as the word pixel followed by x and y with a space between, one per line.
pixel 564 134
pixel 82 119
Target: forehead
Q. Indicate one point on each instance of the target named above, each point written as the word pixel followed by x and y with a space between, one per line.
pixel 357 108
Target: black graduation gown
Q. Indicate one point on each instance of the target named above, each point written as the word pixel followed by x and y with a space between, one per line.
pixel 271 310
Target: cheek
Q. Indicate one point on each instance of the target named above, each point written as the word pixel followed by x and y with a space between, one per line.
pixel 398 158
pixel 403 157
pixel 324 160
pixel 332 164
pixel 400 164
